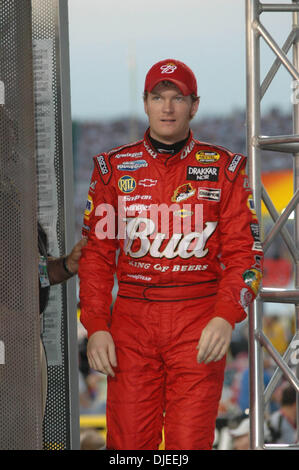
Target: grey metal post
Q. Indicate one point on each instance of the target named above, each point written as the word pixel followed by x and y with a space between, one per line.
pixel 20 367
pixel 255 143
pixel 56 212
pixel 296 180
pixel 254 172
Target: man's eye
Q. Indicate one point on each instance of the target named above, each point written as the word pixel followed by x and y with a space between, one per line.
pixel 179 98
pixel 156 98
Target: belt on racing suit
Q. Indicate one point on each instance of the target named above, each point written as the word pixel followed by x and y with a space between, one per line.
pixel 167 293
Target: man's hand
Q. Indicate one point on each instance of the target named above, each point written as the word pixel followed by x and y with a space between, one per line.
pixel 214 341
pixel 101 352
pixel 72 260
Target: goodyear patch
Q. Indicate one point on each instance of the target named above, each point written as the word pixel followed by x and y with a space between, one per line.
pixel 252 278
pixel 204 156
pixel 89 207
pixel 126 184
pixel 183 192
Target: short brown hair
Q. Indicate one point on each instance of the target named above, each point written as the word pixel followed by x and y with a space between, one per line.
pixel 166 83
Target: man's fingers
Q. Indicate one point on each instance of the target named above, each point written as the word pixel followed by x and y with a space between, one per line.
pixel 204 347
pixel 210 347
pixel 98 360
pixel 95 363
pixel 105 363
pixel 101 352
pixel 217 353
pixel 112 354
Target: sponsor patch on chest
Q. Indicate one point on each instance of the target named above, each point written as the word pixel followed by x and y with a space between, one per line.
pixel 198 173
pixel 209 194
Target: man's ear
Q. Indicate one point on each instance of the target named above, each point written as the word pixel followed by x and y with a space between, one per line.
pixel 145 105
pixel 194 108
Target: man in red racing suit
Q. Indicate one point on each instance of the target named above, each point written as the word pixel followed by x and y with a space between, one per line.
pixel 186 235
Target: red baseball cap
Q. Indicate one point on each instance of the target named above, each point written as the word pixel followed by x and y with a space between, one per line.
pixel 173 71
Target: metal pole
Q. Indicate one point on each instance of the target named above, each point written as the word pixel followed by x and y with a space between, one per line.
pixel 277 7
pixel 253 129
pixel 296 180
pixel 63 67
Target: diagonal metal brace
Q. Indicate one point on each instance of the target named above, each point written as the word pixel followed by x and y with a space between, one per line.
pixel 288 373
pixel 282 219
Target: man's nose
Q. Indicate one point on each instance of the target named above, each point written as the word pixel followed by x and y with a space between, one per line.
pixel 167 106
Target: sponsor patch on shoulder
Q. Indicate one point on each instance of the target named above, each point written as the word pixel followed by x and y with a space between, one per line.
pixel 104 167
pixel 233 166
pixel 234 163
pixel 102 164
pixel 210 194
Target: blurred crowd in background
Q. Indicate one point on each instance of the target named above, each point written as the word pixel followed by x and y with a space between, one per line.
pixel 232 430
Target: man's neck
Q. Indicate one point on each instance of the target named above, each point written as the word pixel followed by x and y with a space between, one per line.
pixel 172 148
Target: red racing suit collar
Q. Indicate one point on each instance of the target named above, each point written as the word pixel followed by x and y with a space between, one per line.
pixel 163 158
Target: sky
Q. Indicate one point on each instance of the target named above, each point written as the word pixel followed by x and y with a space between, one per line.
pixel 113 43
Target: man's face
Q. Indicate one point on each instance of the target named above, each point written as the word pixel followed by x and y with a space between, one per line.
pixel 169 113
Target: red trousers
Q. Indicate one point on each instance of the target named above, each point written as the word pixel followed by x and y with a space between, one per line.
pixel 158 381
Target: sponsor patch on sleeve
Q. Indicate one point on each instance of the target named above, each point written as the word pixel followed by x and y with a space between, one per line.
pixel 234 165
pixel 104 167
pixel 246 298
pixel 252 278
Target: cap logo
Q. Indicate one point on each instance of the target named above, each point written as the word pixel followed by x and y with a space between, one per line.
pixel 168 68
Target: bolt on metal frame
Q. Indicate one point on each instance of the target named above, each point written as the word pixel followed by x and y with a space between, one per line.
pixel 282 143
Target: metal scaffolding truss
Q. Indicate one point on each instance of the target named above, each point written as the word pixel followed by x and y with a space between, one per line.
pixel 287 365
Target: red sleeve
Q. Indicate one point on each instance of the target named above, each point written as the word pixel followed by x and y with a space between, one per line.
pixel 241 250
pixel 98 261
